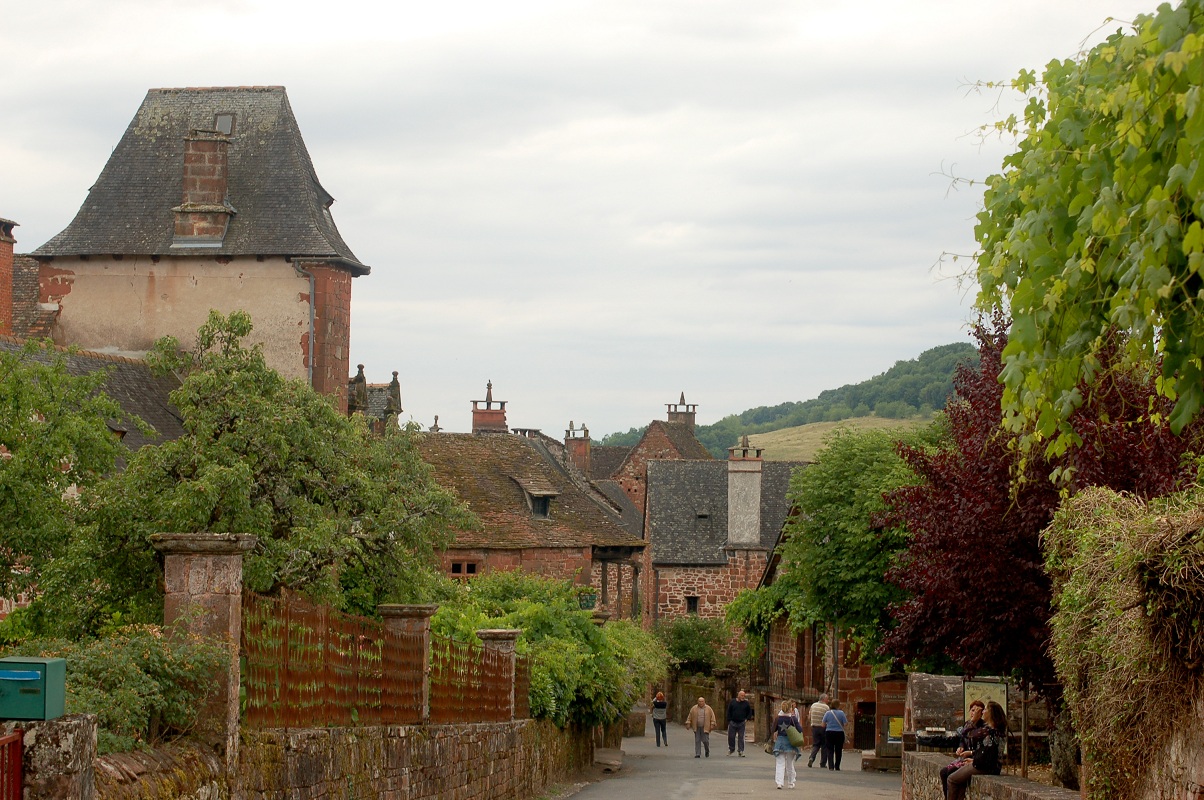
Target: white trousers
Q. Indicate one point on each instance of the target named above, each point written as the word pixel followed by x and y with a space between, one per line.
pixel 784 774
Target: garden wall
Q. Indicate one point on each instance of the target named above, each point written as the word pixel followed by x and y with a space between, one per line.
pixel 922 781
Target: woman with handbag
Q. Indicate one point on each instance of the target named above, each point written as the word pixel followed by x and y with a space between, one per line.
pixel 835 723
pixel 785 750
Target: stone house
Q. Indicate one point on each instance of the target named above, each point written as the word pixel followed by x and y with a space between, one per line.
pixel 209 201
pixel 538 512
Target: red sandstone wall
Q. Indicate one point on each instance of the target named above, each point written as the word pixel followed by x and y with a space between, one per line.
pixel 633 474
pixel 332 332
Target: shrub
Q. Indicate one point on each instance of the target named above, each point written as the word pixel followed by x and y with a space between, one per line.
pixel 695 644
pixel 142 684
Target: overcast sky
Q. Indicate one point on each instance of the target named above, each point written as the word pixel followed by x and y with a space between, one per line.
pixel 596 205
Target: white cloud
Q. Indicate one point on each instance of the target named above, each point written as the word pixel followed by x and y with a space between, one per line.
pixel 595 204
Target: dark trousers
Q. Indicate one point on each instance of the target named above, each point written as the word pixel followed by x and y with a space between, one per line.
pixel 817 746
pixel 833 747
pixel 662 732
pixel 946 771
pixel 735 733
pixel 959 781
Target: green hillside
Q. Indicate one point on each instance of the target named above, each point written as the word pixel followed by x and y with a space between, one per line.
pixel 910 389
pixel 803 442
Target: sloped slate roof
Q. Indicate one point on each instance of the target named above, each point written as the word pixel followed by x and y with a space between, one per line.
pixel 486 471
pixel 631 516
pixel 282 209
pixel 605 459
pixel 132 385
pixel 688 512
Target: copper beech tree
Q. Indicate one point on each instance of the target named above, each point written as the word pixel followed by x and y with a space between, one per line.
pixel 973 567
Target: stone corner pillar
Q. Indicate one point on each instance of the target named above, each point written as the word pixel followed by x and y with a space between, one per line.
pixel 203 596
pixel 413 619
pixel 503 640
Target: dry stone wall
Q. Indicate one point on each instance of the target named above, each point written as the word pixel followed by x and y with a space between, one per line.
pixel 464 762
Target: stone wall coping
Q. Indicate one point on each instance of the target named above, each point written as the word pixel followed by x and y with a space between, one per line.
pixel 1010 786
pixel 224 544
pixel 407 610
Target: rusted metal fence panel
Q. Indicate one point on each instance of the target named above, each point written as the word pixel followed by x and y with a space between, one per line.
pixel 11 752
pixel 469 683
pixel 307 666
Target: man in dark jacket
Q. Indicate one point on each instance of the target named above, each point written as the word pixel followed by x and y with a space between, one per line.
pixel 739 711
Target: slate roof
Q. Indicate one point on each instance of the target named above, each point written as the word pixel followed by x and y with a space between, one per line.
pixel 688 514
pixel 631 515
pixel 132 385
pixel 683 439
pixel 604 460
pixel 489 471
pixel 281 208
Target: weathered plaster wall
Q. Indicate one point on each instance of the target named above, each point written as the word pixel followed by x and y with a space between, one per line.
pixel 124 305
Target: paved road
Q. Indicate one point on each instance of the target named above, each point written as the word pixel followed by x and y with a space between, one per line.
pixel 672 773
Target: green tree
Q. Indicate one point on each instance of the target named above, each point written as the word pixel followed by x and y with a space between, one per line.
pixel 695 644
pixel 837 550
pixel 347 518
pixel 54 444
pixel 1095 223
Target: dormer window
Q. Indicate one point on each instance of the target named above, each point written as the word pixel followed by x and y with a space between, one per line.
pixel 538 493
pixel 224 123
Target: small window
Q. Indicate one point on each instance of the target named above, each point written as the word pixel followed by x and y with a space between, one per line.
pixel 703 515
pixel 224 123
pixel 463 569
pixel 691 605
pixel 540 507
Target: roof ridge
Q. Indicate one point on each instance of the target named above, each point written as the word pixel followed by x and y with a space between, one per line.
pixel 4 337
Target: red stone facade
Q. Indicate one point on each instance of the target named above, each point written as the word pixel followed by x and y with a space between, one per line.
pixel 332 332
pixel 632 475
pixel 6 276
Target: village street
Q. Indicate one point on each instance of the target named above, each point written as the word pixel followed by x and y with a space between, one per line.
pixel 673 773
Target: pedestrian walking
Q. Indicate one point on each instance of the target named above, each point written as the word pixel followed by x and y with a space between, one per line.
pixel 739 712
pixel 816 718
pixel 785 753
pixel 701 720
pixel 835 724
pixel 660 715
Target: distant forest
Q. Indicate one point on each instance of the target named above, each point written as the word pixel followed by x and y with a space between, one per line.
pixel 909 388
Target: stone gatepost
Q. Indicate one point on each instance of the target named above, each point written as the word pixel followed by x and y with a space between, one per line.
pixel 503 640
pixel 413 619
pixel 203 594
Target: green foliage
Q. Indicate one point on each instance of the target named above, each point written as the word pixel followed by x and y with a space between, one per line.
pixel 142 683
pixel 54 442
pixel 1128 597
pixel 695 644
pixel 580 672
pixel 1097 221
pixel 837 549
pixel 345 517
pixel 754 611
pixel 909 388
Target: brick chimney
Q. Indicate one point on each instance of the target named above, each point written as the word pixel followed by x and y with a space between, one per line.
pixel 204 213
pixel 491 418
pixel 744 495
pixel 681 412
pixel 6 275
pixel 577 445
